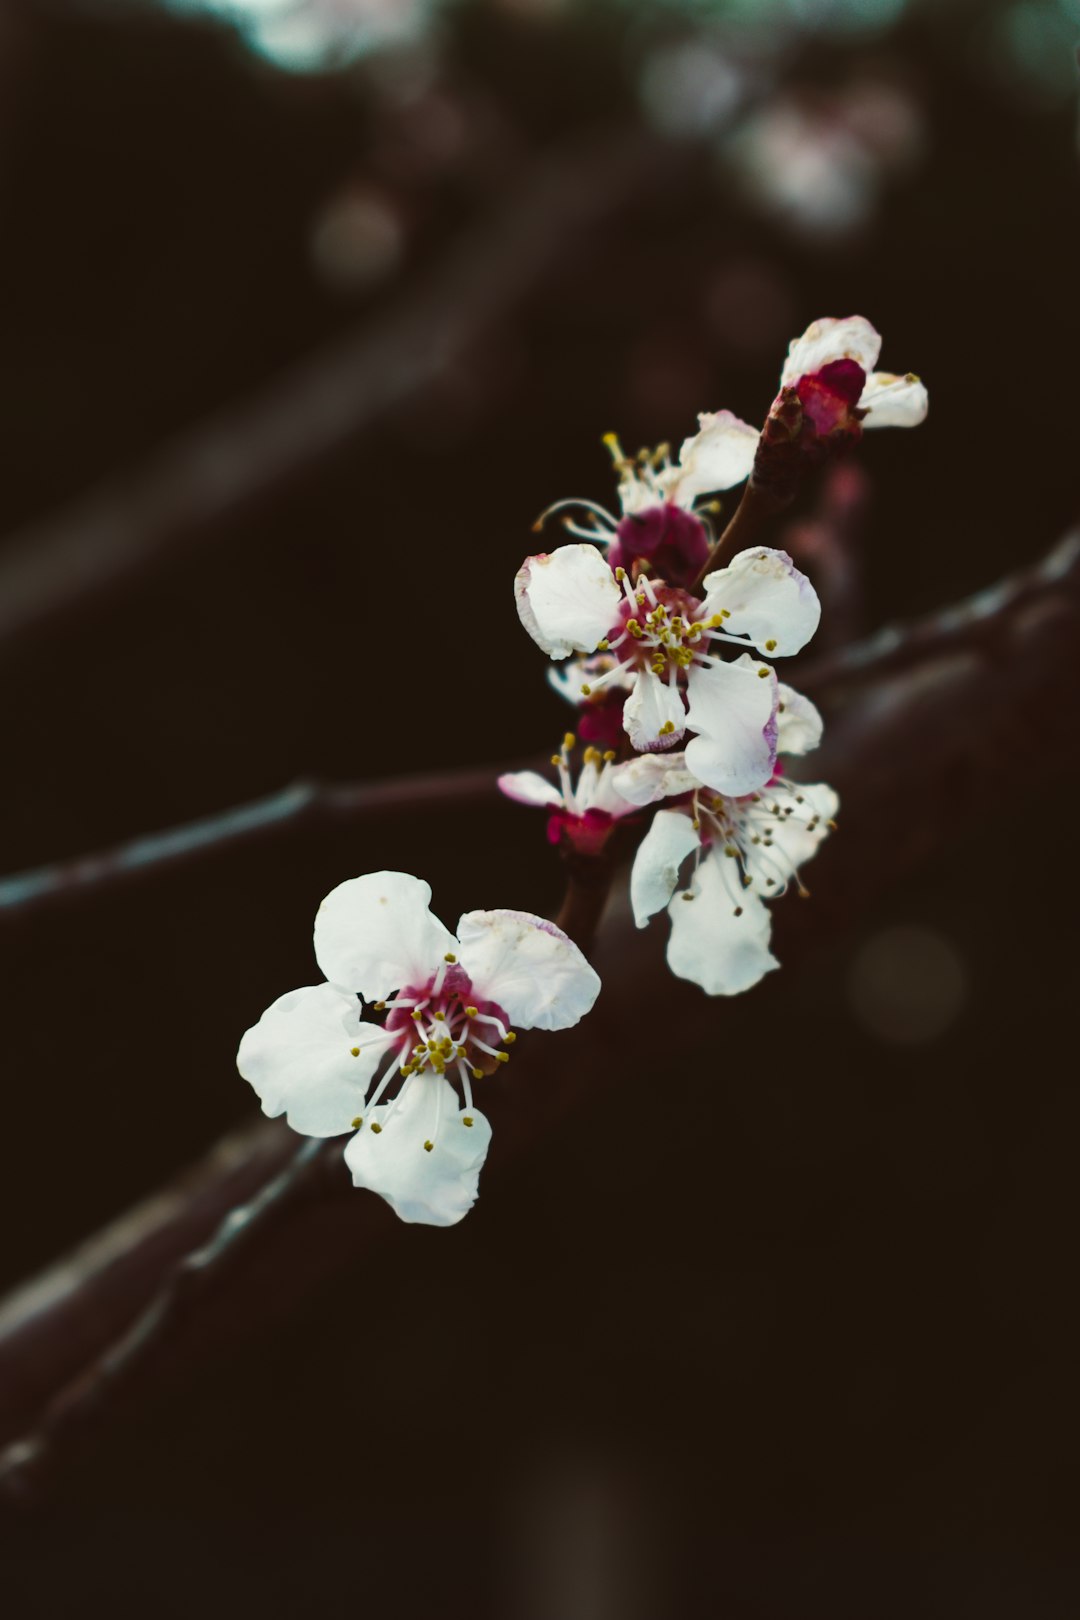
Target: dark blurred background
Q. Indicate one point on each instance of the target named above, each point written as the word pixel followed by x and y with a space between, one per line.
pixel 784 1332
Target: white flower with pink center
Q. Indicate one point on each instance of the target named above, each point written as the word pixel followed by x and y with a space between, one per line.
pixel 746 849
pixel 831 369
pixel 662 503
pixel 662 643
pixel 450 1004
pixel 582 813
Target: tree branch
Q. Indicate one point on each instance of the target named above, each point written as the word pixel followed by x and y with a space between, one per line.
pixel 912 748
pixel 199 482
pixel 974 624
pixel 308 805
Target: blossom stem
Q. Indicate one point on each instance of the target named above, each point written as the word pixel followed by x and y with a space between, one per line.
pixel 588 884
pixel 758 504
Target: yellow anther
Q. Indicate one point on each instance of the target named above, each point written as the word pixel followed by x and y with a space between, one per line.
pixel 502 1057
pixel 379 1006
pixel 466 1119
pixel 602 646
pixel 478 1074
pixel 440 1017
pixel 355 1050
pixel 639 598
pixel 428 1146
pixel 725 613
pixel 586 691
pixel 729 849
pixel 620 574
pixel 715 622
pixel 509 1038
pixel 449 957
pixel 471 1012
pixel 569 741
pixel 770 646
pixel 357 1122
pixel 609 755
pixel 377 1129
pixel 417 1014
pixel 433 1046
pixel 556 759
pixel 667 728
pixel 763 674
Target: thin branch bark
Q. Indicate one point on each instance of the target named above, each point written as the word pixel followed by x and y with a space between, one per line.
pixel 193 487
pixel 308 805
pixel 974 624
pixel 913 748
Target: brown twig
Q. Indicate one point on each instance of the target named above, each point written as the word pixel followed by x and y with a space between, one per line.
pixel 306 805
pixel 197 1275
pixel 973 624
pixel 913 747
pixel 193 487
pixel 754 510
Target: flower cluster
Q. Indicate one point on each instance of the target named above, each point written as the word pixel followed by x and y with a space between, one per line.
pixel 666 653
pixel 669 659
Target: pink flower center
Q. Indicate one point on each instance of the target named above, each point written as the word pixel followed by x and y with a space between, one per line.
pixel 672 541
pixel 444 1025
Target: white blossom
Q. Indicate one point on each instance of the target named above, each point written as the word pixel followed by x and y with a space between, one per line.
pixel 746 849
pixel 449 1001
pixel 582 812
pixel 660 643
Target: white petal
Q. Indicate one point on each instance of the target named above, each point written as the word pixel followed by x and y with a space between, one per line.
pixel 650 777
pixel 299 1060
pixel 849 338
pixel 733 708
pixel 894 401
pixel 792 837
pixel 798 724
pixel 709 944
pixel 568 679
pixel 668 842
pixel 528 787
pixel 720 455
pixel 375 934
pixel 531 968
pixel 596 790
pixel 436 1187
pixel 767 599
pixel 652 705
pixel 567 599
